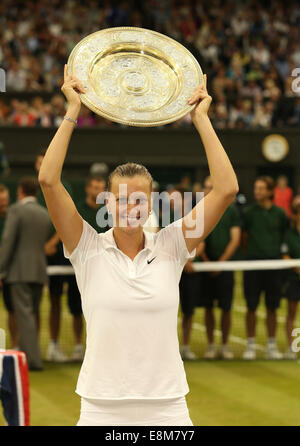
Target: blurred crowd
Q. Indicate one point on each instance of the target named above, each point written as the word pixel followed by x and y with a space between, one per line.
pixel 248 49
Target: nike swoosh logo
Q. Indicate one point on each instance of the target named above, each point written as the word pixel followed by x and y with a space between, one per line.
pixel 149 261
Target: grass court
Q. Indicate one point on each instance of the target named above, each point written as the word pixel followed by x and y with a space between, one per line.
pixel 222 393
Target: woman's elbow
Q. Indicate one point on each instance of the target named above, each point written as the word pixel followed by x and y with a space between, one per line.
pixel 45 181
pixel 42 179
pixel 235 190
pixel 231 193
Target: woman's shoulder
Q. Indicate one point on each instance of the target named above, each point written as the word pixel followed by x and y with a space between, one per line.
pixel 90 243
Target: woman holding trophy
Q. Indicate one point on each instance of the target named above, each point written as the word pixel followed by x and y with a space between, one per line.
pixel 132 373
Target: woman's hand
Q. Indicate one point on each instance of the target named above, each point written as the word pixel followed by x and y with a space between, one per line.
pixel 189 267
pixel 200 97
pixel 71 88
pixel 50 248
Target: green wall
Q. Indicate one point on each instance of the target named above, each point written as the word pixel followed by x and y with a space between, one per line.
pixel 168 153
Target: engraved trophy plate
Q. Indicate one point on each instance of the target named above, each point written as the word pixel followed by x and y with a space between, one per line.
pixel 135 76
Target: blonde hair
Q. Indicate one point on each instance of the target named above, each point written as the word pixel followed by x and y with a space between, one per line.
pixel 130 170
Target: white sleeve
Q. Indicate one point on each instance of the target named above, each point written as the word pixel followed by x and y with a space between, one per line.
pixel 171 240
pixel 86 246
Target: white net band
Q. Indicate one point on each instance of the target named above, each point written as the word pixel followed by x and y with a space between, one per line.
pixel 230 265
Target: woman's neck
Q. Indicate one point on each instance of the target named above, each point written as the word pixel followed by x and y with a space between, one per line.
pixel 129 243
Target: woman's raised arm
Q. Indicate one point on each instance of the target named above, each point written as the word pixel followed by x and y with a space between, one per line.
pixel 62 210
pixel 205 215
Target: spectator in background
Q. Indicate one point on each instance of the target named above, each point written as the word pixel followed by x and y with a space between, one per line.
pixel 251 90
pixel 283 194
pixel 4 113
pixel 189 288
pixel 172 24
pixel 185 183
pixel 220 245
pixel 37 104
pixel 4 166
pixel 260 54
pixel 220 114
pixel 16 77
pixel 89 208
pixel 23 116
pixel 246 113
pixel 281 64
pixel 190 280
pixel 263 113
pixel 220 82
pixel 246 52
pixel 271 90
pixel 58 109
pixel 99 170
pixel 43 112
pixel 86 118
pixel 296 199
pixel 4 202
pixel 240 23
pixel 46 117
pixel 197 187
pixel 165 218
pixel 23 264
pixel 12 325
pixel 264 225
pixel 235 113
pixel 290 249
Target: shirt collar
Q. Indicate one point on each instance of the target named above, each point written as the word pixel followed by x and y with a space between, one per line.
pixel 262 207
pixel 27 199
pixel 109 241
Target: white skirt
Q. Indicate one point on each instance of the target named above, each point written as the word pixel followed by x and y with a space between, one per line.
pixel 134 412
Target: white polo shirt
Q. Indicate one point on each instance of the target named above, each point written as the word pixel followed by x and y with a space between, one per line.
pixel 131 310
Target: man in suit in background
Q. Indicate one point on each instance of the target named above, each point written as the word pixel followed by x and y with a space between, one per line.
pixel 12 325
pixel 23 264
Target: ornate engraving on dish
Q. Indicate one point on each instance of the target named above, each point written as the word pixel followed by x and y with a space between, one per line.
pixel 135 76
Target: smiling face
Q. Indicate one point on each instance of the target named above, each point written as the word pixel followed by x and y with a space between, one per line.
pixel 130 202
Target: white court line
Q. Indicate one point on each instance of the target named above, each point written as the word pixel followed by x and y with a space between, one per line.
pixel 237 339
pixel 281 319
pixel 232 338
